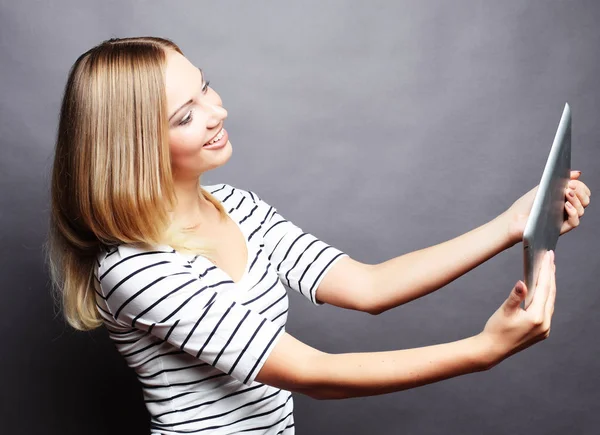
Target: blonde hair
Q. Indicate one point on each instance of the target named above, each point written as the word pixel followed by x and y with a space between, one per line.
pixel 111 180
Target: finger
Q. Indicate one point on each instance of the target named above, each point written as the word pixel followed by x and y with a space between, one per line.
pixel 581 186
pixel 572 219
pixel 537 305
pixel 573 215
pixel 575 175
pixel 573 198
pixel 518 293
pixel 585 189
pixel 552 294
pixel 584 200
pixel 578 186
pixel 582 192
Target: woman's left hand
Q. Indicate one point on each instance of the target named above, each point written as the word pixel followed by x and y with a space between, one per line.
pixel 577 198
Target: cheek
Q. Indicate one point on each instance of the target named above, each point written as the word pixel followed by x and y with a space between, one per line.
pixel 185 141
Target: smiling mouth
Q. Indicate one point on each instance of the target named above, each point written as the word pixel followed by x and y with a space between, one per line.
pixel 217 137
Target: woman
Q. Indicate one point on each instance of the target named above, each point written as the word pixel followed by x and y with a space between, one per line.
pixel 188 279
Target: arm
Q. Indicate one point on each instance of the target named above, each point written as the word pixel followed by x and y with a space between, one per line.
pixel 297 367
pixel 301 260
pixel 379 287
pixel 418 273
pixel 429 269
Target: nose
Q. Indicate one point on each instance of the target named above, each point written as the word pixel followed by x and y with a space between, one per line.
pixel 217 115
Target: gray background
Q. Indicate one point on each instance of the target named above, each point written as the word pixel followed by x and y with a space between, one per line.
pixel 380 127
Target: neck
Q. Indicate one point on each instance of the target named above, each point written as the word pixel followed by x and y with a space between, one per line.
pixel 192 208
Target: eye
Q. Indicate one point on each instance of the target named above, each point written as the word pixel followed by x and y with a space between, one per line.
pixel 187 118
pixel 205 87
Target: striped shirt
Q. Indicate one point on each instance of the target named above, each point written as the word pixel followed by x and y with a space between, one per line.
pixel 195 338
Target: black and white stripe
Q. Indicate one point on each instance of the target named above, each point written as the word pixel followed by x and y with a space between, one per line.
pixel 197 339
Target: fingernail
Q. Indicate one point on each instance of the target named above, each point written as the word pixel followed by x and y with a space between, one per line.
pixel 569 205
pixel 519 287
pixel 571 193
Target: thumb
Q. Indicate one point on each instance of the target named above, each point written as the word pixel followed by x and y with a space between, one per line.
pixel 517 295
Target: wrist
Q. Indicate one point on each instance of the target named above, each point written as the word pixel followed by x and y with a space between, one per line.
pixel 488 352
pixel 510 227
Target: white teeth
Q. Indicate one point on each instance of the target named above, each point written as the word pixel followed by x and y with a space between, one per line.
pixel 217 138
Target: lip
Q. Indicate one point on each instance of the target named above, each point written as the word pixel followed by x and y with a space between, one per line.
pixel 220 143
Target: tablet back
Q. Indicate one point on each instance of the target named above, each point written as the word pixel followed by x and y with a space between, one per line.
pixel 548 210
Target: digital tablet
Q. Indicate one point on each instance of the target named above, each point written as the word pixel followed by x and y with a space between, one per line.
pixel 548 211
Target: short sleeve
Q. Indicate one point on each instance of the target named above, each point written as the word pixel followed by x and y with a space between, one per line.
pixel 300 258
pixel 157 292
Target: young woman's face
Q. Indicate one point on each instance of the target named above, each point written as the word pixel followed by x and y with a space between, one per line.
pixel 196 116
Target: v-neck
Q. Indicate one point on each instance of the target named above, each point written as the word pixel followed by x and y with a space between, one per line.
pixel 246 244
pixel 206 260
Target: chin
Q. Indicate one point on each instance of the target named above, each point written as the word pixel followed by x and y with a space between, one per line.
pixel 216 158
pixel 227 149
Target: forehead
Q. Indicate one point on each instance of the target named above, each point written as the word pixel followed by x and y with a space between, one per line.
pixel 182 79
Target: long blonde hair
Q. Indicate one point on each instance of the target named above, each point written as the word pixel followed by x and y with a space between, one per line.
pixel 111 177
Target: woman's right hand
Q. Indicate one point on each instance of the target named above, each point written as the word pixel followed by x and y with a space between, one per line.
pixel 511 328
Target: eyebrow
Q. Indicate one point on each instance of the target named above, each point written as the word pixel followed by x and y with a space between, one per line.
pixel 190 101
